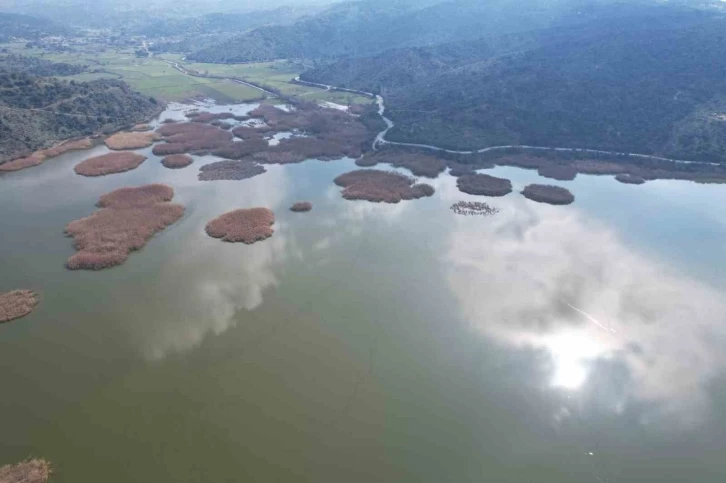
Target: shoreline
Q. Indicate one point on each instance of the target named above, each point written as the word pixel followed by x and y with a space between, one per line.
pixel 56 149
pixel 380 139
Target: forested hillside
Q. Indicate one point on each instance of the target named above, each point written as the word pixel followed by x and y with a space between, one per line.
pixel 26 27
pixel 366 27
pixel 649 82
pixel 36 112
pixel 36 66
pixel 193 33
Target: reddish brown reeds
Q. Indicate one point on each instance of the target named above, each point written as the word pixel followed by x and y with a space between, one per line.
pixel 222 125
pixel 240 149
pixel 127 219
pixel 131 140
pixel 166 149
pixel 246 226
pixel 593 166
pixel 109 164
pixel 483 184
pixel 629 179
pixel 39 156
pixel 308 148
pixel 523 161
pixel 634 168
pixel 366 161
pixel 230 170
pixel 17 164
pixel 34 470
pixel 558 171
pixel 460 169
pixel 301 207
pixel 418 164
pixel 381 186
pixel 67 146
pixel 16 304
pixel 177 161
pixel 142 127
pixel 207 117
pixel 331 125
pixel 190 137
pixel 553 195
pixel 247 132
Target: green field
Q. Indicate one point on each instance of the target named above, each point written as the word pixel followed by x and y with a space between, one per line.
pixel 155 77
pixel 277 74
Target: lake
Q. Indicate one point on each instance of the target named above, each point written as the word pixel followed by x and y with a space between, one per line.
pixel 368 342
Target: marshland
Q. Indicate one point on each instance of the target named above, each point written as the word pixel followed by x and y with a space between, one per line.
pixel 357 318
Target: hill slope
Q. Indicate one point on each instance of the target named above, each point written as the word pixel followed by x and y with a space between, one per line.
pixel 649 83
pixel 367 27
pixel 27 27
pixel 37 112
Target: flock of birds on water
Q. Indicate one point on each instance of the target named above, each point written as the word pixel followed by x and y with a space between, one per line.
pixel 473 208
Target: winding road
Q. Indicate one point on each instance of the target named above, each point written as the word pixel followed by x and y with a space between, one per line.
pixel 185 71
pixel 381 138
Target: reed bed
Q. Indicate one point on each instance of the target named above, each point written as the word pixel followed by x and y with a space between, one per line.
pixel 127 219
pixel 418 164
pixel 246 225
pixel 190 137
pixel 16 304
pixel 230 170
pixel 247 132
pixel 206 117
pixel 34 470
pixel 629 179
pixel 331 134
pixel 483 184
pixel 337 133
pixel 110 163
pixel 39 156
pixel 473 208
pixel 381 186
pixel 646 169
pixel 177 161
pixel 301 207
pixel 222 125
pixel 241 149
pixel 460 169
pixel 22 163
pixel 131 140
pixel 553 195
pixel 558 171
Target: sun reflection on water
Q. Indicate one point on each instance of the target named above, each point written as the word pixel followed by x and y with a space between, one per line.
pixel 572 353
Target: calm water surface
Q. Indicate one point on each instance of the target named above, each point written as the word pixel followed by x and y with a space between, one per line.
pixel 370 343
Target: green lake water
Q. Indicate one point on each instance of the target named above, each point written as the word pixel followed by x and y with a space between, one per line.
pixel 368 342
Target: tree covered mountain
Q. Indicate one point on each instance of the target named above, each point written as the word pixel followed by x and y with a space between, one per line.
pixel 27 27
pixel 37 112
pixel 638 78
pixel 36 66
pixel 193 33
pixel 366 27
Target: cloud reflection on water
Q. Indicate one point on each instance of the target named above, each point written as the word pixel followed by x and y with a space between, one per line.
pixel 212 281
pixel 545 277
